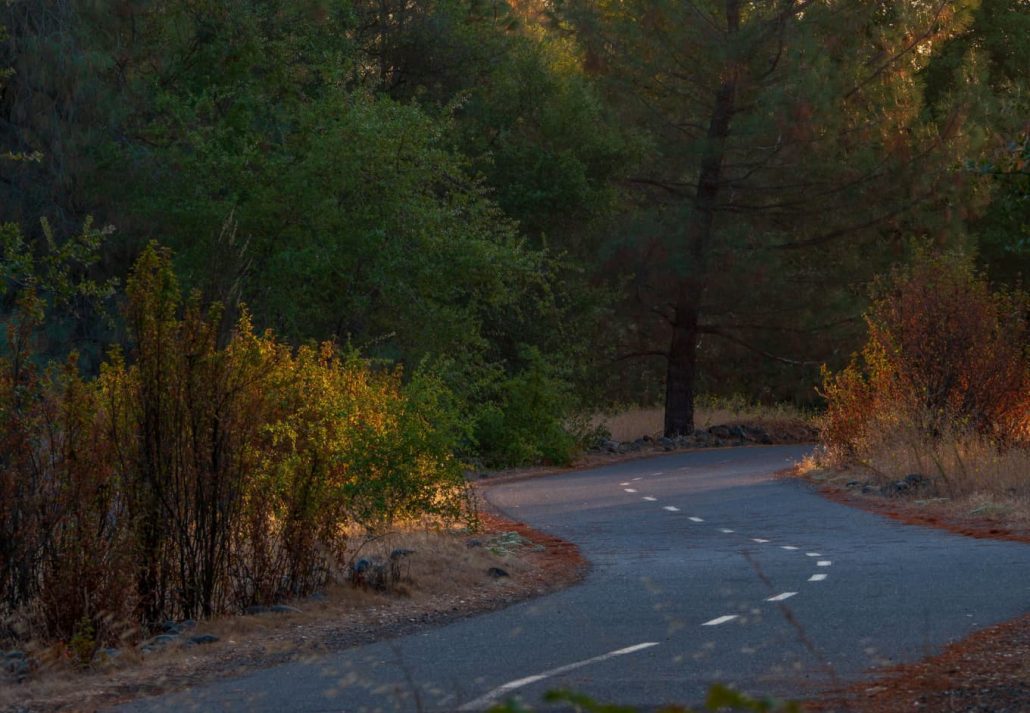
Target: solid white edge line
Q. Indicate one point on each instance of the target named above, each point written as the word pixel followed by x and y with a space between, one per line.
pixel 817 577
pixel 781 597
pixel 721 620
pixel 487 700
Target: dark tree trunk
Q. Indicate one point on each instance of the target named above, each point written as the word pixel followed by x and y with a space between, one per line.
pixel 681 372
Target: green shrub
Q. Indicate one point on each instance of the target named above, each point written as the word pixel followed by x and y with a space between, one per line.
pixel 524 421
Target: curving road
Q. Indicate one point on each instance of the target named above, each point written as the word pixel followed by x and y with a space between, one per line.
pixel 705 569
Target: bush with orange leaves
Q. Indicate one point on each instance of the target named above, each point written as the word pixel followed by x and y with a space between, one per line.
pixel 201 473
pixel 946 356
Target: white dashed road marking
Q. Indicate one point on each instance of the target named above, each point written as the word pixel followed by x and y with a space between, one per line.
pixel 486 701
pixel 725 530
pixel 812 554
pixel 788 547
pixel 823 563
pixel 696 519
pixel 671 508
pixel 817 577
pixel 649 498
pixel 629 490
pixel 781 597
pixel 759 540
pixel 721 620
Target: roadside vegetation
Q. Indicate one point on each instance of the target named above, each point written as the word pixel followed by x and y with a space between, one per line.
pixel 275 277
pixel 936 407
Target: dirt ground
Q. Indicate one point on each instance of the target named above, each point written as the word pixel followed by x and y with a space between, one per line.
pixel 448 578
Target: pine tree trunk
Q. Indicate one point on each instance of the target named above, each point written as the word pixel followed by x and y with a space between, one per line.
pixel 681 372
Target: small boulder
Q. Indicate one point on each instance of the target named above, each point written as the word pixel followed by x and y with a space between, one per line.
pixel 400 553
pixel 283 609
pixel 202 639
pixel 256 609
pixel 497 572
pixel 473 543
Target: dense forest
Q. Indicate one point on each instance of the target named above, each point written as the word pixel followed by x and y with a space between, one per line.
pixel 407 234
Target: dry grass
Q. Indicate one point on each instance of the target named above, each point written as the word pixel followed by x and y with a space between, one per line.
pixel 443 578
pixel 638 421
pixel 973 483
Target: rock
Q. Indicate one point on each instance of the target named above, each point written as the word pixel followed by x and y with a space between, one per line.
pixel 170 627
pixel 256 609
pixel 159 642
pixel 400 553
pixel 497 572
pixel 852 484
pixel 104 655
pixel 474 543
pixel 283 609
pixel 917 480
pixel 201 639
pixel 720 432
pixel 666 443
pixel 898 487
pixel 373 572
pixel 188 624
pixel 867 488
pixel 12 655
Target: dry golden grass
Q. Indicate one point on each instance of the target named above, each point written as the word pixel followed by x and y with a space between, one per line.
pixel 972 479
pixel 638 421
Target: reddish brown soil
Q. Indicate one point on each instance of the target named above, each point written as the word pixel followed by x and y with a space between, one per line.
pixel 988 672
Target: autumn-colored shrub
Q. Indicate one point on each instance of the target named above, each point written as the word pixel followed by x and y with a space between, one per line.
pixel 199 474
pixel 946 356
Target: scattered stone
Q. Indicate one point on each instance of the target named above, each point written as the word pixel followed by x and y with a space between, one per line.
pixel 283 609
pixel 898 487
pixel 721 432
pixel 867 488
pixel 256 609
pixel 104 655
pixel 201 639
pixel 187 624
pixel 170 627
pixel 159 642
pixel 497 572
pixel 474 543
pixel 852 484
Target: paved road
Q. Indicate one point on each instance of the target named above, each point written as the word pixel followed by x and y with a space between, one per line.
pixel 705 569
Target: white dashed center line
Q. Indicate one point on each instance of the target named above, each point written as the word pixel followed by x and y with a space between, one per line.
pixel 823 563
pixel 484 702
pixel 759 540
pixel 812 554
pixel 696 519
pixel 817 577
pixel 781 597
pixel 671 508
pixel 636 479
pixel 721 620
pixel 725 530
pixel 788 547
pixel 649 498
pixel 629 490
pixel 626 483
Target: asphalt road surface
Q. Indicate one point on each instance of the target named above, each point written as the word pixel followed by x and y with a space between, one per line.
pixel 705 569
